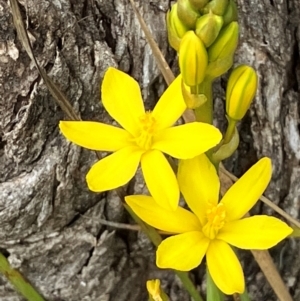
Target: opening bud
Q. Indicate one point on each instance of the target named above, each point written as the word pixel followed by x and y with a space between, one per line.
pixel 187 13
pixel 218 7
pixel 155 292
pixel 208 28
pixel 241 89
pixel 192 59
pixel 176 28
pixel 225 44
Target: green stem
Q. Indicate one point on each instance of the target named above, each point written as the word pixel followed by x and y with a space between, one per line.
pixel 244 296
pixel 205 112
pixel 188 285
pixel 213 292
pixel 156 239
pixel 230 130
pixel 18 281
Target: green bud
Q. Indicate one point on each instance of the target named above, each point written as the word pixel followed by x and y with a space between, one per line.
pixel 231 13
pixel 176 28
pixel 192 101
pixel 241 89
pixel 225 44
pixel 208 28
pixel 192 59
pixel 198 4
pixel 187 13
pixel 218 7
pixel 219 67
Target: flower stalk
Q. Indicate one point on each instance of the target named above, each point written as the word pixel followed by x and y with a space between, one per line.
pixel 18 281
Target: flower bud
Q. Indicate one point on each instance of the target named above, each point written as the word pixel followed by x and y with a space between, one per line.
pixel 230 13
pixel 187 13
pixel 192 59
pixel 176 28
pixel 219 67
pixel 218 7
pixel 241 89
pixel 225 44
pixel 198 4
pixel 208 28
pixel 155 292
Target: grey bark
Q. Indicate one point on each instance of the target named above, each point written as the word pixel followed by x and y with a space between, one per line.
pixel 49 220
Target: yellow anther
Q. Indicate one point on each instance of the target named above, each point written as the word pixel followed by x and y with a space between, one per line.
pixel 147 129
pixel 215 220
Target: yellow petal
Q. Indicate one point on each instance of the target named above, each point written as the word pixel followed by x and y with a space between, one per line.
pixel 199 184
pixel 121 97
pixel 95 135
pixel 170 106
pixel 225 268
pixel 188 140
pixel 244 194
pixel 115 170
pixel 182 252
pixel 160 179
pixel 256 232
pixel 178 221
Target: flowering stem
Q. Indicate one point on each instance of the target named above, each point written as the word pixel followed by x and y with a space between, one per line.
pixel 230 130
pixel 18 281
pixel 156 239
pixel 188 285
pixel 205 112
pixel 244 296
pixel 213 292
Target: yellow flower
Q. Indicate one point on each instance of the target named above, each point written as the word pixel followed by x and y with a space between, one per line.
pixel 145 137
pixel 212 225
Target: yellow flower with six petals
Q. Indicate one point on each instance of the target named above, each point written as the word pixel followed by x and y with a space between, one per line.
pixel 213 225
pixel 144 138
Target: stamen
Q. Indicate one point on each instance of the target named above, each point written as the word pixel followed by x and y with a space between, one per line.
pixel 216 215
pixel 144 138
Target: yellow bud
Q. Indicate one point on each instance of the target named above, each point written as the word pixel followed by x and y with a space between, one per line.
pixel 192 59
pixel 225 44
pixel 218 7
pixel 241 89
pixel 176 28
pixel 198 4
pixel 208 28
pixel 187 13
pixel 153 288
pixel 230 13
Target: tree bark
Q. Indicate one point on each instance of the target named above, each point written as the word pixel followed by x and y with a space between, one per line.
pixel 50 221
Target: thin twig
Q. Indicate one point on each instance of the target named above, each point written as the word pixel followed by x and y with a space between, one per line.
pixel 58 95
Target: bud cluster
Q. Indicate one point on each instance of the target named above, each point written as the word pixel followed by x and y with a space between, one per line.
pixel 205 34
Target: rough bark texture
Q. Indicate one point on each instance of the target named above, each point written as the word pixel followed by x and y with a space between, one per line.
pixel 49 221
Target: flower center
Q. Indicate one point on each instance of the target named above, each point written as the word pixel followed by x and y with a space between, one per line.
pixel 144 138
pixel 216 215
